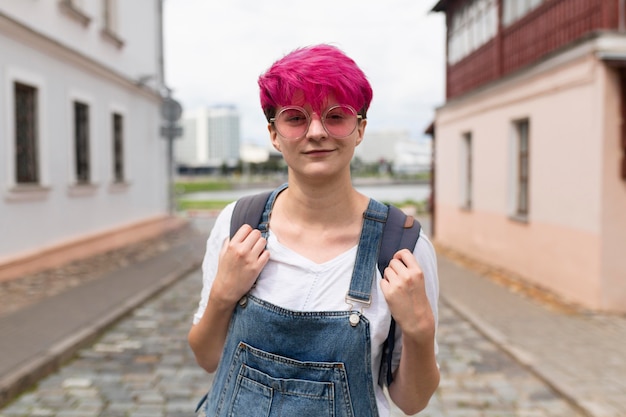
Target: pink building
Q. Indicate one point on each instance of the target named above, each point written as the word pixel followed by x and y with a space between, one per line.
pixel 531 143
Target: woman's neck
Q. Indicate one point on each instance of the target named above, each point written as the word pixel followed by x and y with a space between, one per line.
pixel 325 203
pixel 318 221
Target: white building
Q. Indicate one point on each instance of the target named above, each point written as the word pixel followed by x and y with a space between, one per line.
pixel 254 154
pixel 211 137
pixel 82 165
pixel 395 147
pixel 380 145
pixel 412 156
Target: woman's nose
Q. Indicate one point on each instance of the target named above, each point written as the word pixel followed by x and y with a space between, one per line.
pixel 316 128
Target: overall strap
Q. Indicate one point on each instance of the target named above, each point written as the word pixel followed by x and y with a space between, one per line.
pixel 374 219
pixel 254 210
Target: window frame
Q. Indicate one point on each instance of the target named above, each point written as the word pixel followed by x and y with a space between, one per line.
pixel 110 23
pixel 514 10
pixel 33 154
pixel 118 155
pixel 523 168
pixel 78 187
pixel 116 186
pixel 467 169
pixel 81 137
pixel 520 158
pixel 471 26
pixel 15 191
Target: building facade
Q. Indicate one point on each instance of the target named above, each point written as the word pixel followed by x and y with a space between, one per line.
pixel 530 146
pixel 412 157
pixel 211 138
pixel 82 165
pixel 380 145
pixel 396 150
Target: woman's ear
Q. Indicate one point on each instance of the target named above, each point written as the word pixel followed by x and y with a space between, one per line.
pixel 273 137
pixel 361 129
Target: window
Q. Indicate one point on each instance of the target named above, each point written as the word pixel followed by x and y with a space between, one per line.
pixel 513 10
pixel 110 24
pixel 81 143
pixel 520 169
pixel 109 17
pixel 26 135
pixel 118 148
pixel 471 26
pixel 466 171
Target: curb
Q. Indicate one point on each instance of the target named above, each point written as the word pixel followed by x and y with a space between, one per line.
pixel 522 357
pixel 22 379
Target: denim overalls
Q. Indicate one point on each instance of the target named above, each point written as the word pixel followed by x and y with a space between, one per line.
pixel 278 362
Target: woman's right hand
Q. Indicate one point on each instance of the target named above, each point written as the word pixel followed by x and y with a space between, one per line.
pixel 241 259
pixel 240 262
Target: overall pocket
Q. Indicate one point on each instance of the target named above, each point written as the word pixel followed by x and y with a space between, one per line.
pixel 257 394
pixel 271 385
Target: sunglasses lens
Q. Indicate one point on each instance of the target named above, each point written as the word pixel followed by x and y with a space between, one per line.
pixel 292 123
pixel 340 121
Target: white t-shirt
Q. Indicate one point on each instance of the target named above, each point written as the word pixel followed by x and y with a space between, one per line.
pixel 291 281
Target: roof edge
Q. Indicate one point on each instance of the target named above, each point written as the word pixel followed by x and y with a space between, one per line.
pixel 441 6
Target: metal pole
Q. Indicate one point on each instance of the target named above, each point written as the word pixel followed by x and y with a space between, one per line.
pixel 172 110
pixel 170 165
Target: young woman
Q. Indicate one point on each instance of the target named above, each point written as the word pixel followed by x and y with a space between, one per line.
pixel 275 320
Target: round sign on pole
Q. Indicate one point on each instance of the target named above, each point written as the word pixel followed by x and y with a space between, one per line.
pixel 171 110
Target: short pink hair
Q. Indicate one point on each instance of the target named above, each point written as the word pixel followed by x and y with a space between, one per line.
pixel 310 75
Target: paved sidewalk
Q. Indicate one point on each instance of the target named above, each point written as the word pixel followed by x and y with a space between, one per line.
pixel 39 338
pixel 581 356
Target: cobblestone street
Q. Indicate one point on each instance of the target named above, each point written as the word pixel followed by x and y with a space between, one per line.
pixel 480 380
pixel 143 367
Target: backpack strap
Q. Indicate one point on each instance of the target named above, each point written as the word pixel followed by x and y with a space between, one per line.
pixel 400 232
pixel 250 209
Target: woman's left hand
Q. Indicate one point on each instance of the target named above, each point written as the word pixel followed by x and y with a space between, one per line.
pixel 405 292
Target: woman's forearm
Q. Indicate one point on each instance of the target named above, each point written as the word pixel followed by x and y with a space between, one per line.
pixel 207 337
pixel 416 378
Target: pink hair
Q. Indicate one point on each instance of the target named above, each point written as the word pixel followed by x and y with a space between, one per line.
pixel 310 75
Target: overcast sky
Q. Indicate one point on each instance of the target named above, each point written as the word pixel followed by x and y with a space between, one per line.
pixel 215 51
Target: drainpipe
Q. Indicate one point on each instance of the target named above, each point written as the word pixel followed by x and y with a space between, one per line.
pixel 166 93
pixel 160 48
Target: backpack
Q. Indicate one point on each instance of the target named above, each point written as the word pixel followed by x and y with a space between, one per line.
pixel 400 231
